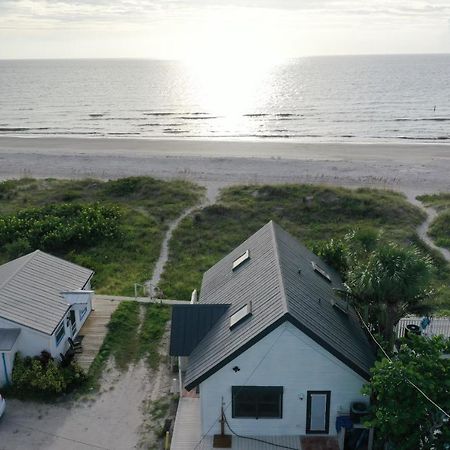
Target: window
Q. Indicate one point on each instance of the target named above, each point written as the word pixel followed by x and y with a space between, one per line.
pixel 257 402
pixel 60 333
pixel 83 313
pixel 241 260
pixel 240 315
pixel 321 271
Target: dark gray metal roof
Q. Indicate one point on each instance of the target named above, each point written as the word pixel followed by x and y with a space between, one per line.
pixel 190 324
pixel 8 337
pixel 31 286
pixel 279 292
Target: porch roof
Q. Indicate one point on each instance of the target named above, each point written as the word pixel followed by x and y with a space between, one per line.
pixel 8 337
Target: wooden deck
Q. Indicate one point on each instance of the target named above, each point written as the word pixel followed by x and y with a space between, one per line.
pixel 187 428
pixel 94 330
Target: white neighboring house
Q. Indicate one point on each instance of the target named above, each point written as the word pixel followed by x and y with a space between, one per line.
pixel 271 342
pixel 44 301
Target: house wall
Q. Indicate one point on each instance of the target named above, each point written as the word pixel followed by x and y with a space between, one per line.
pixel 81 303
pixel 30 342
pixel 286 357
pixel 6 365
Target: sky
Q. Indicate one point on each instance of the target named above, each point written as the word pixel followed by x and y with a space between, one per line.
pixel 230 29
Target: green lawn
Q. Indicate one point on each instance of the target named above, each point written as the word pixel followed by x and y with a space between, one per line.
pixel 311 213
pixel 440 228
pixel 145 206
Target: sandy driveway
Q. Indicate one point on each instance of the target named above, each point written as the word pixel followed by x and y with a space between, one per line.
pixel 116 418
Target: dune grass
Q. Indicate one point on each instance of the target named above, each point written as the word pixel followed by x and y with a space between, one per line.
pixel 311 213
pixel 146 207
pixel 134 332
pixel 440 227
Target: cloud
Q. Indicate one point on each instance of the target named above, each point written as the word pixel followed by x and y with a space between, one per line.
pixel 136 10
pixel 168 27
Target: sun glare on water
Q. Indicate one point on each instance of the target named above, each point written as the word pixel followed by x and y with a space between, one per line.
pixel 230 69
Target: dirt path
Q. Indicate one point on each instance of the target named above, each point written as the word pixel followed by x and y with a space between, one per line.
pixel 422 229
pixel 111 419
pixel 210 197
pixel 126 413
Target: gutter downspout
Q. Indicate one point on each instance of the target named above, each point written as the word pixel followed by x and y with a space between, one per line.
pixel 5 369
pixel 180 381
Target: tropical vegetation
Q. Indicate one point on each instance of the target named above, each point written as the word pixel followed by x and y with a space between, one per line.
pixel 43 377
pixel 403 416
pixel 385 280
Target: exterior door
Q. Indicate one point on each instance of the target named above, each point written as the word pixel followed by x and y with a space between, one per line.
pixel 318 412
pixel 73 322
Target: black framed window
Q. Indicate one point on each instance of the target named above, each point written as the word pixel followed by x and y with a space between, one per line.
pixel 257 401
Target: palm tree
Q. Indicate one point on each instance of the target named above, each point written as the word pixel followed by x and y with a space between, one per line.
pixel 389 283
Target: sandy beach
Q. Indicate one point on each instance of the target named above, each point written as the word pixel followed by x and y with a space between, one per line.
pixel 411 168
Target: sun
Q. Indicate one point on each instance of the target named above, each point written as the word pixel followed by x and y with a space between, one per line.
pixel 229 64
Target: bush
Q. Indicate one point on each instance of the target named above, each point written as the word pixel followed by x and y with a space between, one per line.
pixel 334 253
pixel 440 229
pixel 43 377
pixel 57 227
pixel 17 248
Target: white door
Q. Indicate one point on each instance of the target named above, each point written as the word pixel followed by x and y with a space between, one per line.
pixel 318 412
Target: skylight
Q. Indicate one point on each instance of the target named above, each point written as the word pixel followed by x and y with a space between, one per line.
pixel 322 272
pixel 241 315
pixel 241 260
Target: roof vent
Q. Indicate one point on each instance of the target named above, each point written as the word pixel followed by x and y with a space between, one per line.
pixel 241 260
pixel 341 306
pixel 322 272
pixel 240 315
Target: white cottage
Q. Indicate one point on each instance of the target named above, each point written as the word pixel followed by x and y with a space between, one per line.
pixel 44 301
pixel 270 343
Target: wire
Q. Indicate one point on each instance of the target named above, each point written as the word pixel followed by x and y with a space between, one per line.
pixel 245 382
pixel 407 379
pixel 61 437
pixel 256 439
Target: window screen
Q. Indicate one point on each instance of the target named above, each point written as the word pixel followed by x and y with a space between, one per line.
pixel 60 333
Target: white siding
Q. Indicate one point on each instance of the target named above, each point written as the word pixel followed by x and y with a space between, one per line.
pixel 6 365
pixel 30 342
pixel 288 358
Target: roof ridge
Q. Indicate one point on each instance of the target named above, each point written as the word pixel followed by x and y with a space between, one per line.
pixel 30 255
pixel 273 225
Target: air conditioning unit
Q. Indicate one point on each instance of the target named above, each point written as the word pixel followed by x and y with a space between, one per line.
pixel 358 410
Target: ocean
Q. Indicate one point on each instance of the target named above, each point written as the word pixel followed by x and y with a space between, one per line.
pixel 369 99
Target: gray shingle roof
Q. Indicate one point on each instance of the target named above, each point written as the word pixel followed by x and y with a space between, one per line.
pixel 8 337
pixel 279 292
pixel 31 286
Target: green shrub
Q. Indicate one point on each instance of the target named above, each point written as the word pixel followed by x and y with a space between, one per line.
pixel 440 229
pixel 43 377
pixel 17 248
pixel 57 227
pixel 334 253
